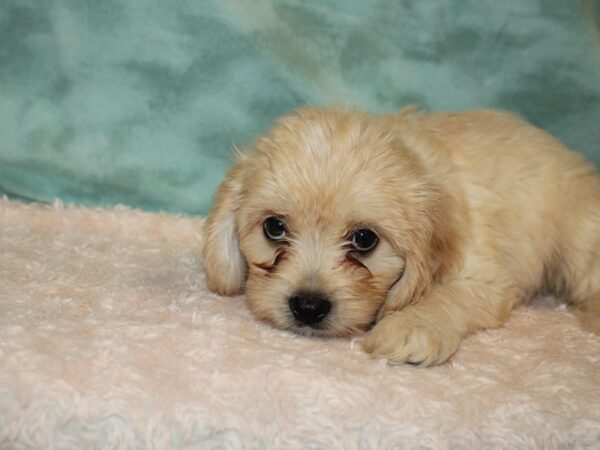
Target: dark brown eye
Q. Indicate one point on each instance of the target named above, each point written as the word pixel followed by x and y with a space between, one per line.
pixel 274 228
pixel 364 240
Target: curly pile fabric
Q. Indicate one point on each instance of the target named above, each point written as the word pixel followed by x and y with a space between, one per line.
pixel 109 338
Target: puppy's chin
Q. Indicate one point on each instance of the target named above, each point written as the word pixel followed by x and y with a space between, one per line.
pixel 306 330
pixel 328 332
pixel 323 331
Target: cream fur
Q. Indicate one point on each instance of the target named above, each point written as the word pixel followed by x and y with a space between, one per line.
pixel 476 213
pixel 109 338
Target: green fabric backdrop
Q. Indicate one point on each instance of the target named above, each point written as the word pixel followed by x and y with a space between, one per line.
pixel 141 101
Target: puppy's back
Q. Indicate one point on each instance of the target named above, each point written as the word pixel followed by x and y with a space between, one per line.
pixel 532 201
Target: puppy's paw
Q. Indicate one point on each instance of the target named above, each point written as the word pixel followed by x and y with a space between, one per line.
pixel 405 337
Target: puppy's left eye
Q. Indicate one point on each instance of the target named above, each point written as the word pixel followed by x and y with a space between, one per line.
pixel 364 240
pixel 274 228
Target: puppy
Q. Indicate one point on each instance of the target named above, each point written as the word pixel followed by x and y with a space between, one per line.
pixel 417 228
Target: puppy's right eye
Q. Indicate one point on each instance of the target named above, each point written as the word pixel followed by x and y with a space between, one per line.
pixel 274 228
pixel 364 240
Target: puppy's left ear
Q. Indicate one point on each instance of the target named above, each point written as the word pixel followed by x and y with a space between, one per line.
pixel 223 261
pixel 432 250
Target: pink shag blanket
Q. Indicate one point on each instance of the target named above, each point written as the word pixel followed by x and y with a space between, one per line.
pixel 109 338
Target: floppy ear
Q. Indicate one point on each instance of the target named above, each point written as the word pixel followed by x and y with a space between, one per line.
pixel 225 267
pixel 432 250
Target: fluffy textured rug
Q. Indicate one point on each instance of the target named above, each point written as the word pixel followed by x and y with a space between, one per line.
pixel 110 339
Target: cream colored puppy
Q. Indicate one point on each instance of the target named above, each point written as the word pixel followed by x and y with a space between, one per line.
pixel 418 228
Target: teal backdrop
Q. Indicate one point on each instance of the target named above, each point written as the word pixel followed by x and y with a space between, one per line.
pixel 140 102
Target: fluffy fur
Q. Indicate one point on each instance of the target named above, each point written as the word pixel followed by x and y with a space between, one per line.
pixel 476 212
pixel 110 339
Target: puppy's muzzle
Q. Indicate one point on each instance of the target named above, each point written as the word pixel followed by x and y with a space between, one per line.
pixel 309 308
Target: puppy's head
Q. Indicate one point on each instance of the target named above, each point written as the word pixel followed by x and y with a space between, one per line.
pixel 329 221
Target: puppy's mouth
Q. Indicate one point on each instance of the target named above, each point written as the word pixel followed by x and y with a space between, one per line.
pixel 320 329
pixel 328 328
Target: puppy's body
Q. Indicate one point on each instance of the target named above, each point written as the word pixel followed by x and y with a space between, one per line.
pixel 473 214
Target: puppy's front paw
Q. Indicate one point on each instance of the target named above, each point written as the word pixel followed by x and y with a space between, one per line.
pixel 405 337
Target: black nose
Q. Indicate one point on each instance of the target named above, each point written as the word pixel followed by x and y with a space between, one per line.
pixel 309 307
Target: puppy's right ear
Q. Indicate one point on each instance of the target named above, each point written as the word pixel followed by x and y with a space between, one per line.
pixel 225 267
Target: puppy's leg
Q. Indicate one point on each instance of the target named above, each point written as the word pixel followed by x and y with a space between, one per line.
pixel 582 271
pixel 430 331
